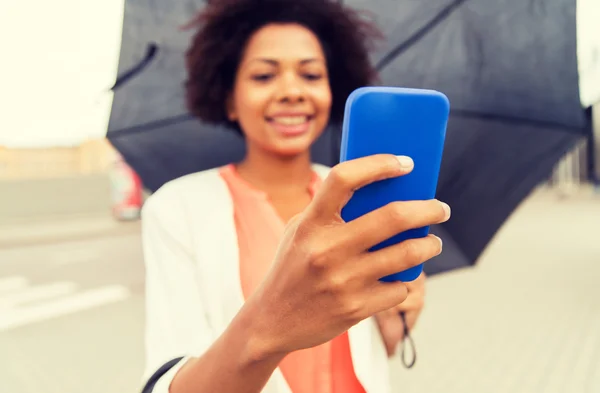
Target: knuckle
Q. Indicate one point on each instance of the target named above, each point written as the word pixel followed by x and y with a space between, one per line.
pixel 388 162
pixel 402 294
pixel 339 176
pixel 336 284
pixel 397 212
pixel 318 256
pixel 303 229
pixel 353 309
pixel 348 307
pixel 416 251
pixel 411 251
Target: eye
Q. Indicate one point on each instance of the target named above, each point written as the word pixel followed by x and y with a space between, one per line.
pixel 262 77
pixel 312 77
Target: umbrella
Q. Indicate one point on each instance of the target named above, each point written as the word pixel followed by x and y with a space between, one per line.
pixel 509 68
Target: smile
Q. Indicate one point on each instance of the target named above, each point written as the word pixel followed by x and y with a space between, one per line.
pixel 290 125
pixel 290 120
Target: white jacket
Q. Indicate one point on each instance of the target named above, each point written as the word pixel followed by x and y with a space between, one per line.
pixel 193 287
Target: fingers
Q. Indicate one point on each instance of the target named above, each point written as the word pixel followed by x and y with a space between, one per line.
pixel 411 318
pixel 398 257
pixel 396 217
pixel 348 176
pixel 391 329
pixel 384 296
pixel 414 301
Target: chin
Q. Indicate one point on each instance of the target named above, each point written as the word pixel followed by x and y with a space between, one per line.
pixel 290 152
pixel 291 148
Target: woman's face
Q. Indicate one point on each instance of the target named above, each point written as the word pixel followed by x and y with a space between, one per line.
pixel 281 97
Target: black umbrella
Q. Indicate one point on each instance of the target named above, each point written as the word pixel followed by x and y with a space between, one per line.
pixel 509 68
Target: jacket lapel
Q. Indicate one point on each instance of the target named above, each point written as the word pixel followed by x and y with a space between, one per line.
pixel 225 268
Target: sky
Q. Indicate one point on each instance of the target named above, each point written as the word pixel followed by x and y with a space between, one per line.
pixel 55 74
pixel 60 57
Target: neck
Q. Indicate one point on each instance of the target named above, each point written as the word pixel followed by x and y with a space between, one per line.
pixel 271 172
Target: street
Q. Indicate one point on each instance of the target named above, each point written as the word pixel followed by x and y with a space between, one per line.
pixel 71 316
pixel 525 319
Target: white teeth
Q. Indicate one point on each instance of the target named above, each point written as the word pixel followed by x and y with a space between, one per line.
pixel 290 120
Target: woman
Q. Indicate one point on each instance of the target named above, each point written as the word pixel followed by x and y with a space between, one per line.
pixel 254 283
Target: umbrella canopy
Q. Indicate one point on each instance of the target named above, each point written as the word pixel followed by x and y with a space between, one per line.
pixel 508 67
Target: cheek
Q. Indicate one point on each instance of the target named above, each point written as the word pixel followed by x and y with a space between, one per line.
pixel 250 103
pixel 249 110
pixel 323 99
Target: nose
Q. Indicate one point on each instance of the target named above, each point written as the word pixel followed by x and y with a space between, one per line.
pixel 291 89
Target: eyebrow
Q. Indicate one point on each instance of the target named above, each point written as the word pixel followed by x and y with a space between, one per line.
pixel 275 62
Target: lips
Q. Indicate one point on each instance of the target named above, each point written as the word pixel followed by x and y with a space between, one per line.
pixel 290 124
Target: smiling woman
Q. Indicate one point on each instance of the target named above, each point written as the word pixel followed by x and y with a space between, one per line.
pixel 253 280
pixel 278 73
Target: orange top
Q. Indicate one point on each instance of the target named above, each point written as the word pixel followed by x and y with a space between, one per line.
pixel 324 369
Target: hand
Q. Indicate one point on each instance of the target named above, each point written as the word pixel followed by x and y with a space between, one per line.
pixel 389 322
pixel 324 280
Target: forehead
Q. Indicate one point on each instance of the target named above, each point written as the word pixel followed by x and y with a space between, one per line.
pixel 283 42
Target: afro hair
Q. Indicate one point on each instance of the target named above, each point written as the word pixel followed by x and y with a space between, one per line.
pixel 225 26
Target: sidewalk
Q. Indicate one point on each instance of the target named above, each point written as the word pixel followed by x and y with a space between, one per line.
pixel 526 319
pixel 70 228
pixel 39 211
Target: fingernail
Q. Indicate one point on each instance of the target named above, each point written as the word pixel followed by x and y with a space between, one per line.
pixel 441 243
pixel 447 210
pixel 405 162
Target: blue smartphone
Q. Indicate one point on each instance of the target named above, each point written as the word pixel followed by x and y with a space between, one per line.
pixel 399 121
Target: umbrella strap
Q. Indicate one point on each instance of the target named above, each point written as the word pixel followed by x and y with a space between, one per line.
pixel 151 51
pixel 407 339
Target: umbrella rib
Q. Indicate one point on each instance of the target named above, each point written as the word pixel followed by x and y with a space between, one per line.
pixel 413 39
pixel 150 125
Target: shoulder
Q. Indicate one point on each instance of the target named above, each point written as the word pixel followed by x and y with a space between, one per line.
pixel 189 194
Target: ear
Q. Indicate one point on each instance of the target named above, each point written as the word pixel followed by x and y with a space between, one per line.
pixel 230 108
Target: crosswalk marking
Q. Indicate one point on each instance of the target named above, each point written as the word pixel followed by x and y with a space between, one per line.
pixel 22 304
pixel 32 294
pixel 73 256
pixel 12 283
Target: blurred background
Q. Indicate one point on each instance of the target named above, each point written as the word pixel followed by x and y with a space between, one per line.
pixel 71 268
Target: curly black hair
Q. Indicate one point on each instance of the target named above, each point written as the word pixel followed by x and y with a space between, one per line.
pixel 225 26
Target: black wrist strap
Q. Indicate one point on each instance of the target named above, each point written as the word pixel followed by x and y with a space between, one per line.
pixel 159 373
pixel 407 339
